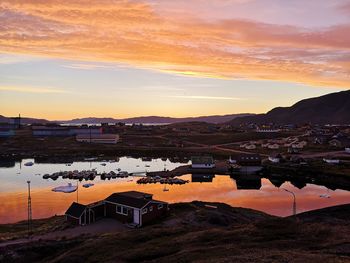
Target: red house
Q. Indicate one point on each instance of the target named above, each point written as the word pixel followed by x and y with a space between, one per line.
pixel 132 207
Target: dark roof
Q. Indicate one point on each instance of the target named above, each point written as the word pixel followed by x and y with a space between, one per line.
pixel 76 210
pixel 202 160
pixel 131 198
pixel 135 194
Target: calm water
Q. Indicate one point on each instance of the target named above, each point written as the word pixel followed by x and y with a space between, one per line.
pixel 45 203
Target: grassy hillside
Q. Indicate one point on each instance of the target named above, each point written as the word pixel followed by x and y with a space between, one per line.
pixel 195 232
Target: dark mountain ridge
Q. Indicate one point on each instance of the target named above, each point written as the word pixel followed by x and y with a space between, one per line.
pixel 332 108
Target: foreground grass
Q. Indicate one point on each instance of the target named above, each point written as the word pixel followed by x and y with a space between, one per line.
pixel 197 233
pixel 40 226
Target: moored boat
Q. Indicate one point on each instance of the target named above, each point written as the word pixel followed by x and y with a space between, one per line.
pixel 66 188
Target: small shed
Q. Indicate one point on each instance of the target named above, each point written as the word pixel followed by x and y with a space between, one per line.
pixel 76 214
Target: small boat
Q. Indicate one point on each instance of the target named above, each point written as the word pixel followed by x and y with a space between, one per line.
pixel 29 164
pixel 147 165
pixel 331 160
pixel 123 174
pixel 68 164
pixel 103 164
pixel 325 196
pixel 66 188
pixel 88 185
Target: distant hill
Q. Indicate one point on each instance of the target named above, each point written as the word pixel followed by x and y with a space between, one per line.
pixel 332 108
pixel 158 119
pixel 144 119
pixel 3 119
pixel 24 120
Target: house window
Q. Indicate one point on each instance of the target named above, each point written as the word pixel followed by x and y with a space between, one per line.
pixel 125 210
pixel 144 211
pixel 150 208
pixel 160 206
pixel 122 210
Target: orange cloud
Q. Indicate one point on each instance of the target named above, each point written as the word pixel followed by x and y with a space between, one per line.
pixel 133 32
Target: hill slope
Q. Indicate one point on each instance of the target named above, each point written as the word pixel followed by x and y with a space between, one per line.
pixel 195 232
pixel 158 119
pixel 332 108
pixel 24 120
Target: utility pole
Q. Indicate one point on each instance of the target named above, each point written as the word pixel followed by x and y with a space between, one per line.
pixel 30 227
pixel 294 201
pixel 77 191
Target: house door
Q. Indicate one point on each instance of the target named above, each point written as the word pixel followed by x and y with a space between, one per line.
pixel 137 216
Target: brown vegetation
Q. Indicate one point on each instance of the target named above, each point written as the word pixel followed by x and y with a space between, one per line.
pixel 199 232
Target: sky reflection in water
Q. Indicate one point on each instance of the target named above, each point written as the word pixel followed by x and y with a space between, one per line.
pixel 45 203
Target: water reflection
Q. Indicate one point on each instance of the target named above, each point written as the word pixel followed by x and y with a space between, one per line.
pixel 250 192
pixel 245 182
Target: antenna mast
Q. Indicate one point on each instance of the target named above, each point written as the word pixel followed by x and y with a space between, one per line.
pixel 30 226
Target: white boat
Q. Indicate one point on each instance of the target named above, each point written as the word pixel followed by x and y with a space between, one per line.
pixel 274 159
pixel 66 188
pixel 331 161
pixel 88 185
pixel 29 164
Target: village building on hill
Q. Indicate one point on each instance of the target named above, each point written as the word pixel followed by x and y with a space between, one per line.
pixel 133 208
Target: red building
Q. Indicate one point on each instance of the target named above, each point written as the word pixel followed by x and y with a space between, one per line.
pixel 132 207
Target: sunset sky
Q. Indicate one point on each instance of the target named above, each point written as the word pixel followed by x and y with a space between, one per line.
pixel 62 59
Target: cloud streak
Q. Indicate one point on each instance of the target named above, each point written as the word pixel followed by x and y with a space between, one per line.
pixel 38 90
pixel 133 33
pixel 205 98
